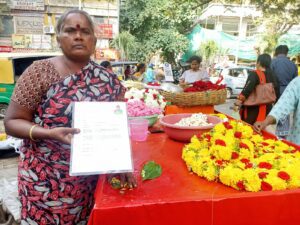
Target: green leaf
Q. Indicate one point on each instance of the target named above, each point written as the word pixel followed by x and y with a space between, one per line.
pixel 151 170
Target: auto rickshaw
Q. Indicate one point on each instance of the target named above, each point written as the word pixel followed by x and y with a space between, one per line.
pixel 12 65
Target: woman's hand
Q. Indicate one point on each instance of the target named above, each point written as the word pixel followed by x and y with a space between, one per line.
pixel 63 134
pixel 126 179
pixel 259 126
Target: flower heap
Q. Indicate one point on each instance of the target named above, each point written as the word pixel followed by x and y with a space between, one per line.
pixel 234 155
pixel 152 98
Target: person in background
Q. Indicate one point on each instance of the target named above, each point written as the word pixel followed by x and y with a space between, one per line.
pixel 288 103
pixel 160 73
pixel 106 65
pixel 149 76
pixel 286 71
pixel 140 70
pixel 40 112
pixel 251 114
pixel 195 73
pixel 127 72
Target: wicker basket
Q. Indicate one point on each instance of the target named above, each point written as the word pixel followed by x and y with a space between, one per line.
pixel 133 84
pixel 196 98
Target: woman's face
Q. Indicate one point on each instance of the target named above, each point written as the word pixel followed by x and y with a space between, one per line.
pixel 77 39
pixel 195 65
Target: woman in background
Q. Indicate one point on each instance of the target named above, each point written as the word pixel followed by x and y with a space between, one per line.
pixel 251 114
pixel 195 73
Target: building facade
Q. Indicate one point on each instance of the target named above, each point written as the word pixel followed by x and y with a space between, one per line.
pixel 29 25
pixel 233 19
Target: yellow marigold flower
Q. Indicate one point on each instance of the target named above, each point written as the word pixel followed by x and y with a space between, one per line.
pixel 257 138
pixel 219 128
pixel 276 182
pixel 231 176
pixel 246 154
pixel 221 152
pixel 210 173
pixel 252 181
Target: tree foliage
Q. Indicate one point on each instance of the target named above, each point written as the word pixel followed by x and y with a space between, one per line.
pixel 125 43
pixel 162 25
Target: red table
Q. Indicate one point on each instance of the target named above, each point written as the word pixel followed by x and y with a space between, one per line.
pixel 179 197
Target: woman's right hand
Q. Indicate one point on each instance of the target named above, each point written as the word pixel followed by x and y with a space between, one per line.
pixel 259 126
pixel 63 134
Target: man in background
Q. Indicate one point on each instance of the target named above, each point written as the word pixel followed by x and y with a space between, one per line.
pixel 286 71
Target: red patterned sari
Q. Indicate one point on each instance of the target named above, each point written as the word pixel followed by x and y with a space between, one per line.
pixel 48 194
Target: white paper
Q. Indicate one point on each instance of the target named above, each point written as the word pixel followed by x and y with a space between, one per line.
pixel 103 144
pixel 168 72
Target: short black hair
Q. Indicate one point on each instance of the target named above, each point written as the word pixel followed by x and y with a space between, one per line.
pixel 105 64
pixel 195 58
pixel 281 49
pixel 63 17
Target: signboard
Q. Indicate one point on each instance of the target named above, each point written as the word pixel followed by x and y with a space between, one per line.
pixel 37 5
pixel 168 72
pixel 108 5
pixel 5 48
pixel 31 41
pixel 106 54
pixel 72 3
pixel 29 25
pixel 104 31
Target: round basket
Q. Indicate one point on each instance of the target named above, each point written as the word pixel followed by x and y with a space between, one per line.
pixel 213 97
pixel 133 84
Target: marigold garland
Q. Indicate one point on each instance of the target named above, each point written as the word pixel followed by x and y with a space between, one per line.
pixel 234 155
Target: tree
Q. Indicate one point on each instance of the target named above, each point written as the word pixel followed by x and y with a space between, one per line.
pixel 159 24
pixel 125 43
pixel 208 50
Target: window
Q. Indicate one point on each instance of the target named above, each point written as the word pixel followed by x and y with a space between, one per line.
pixel 251 29
pixel 6 26
pixel 230 27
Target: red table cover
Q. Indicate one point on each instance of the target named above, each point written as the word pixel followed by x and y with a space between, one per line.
pixel 179 197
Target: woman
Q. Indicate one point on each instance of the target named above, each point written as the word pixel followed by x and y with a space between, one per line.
pixel 287 103
pixel 251 114
pixel 140 70
pixel 195 73
pixel 40 113
pixel 107 66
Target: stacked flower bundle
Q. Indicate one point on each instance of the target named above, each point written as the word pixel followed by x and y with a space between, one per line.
pixel 235 156
pixel 138 108
pixel 151 98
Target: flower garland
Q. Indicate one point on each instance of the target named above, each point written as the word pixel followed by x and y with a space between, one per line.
pixel 234 155
pixel 152 98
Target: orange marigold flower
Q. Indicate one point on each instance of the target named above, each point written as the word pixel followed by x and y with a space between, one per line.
pixel 243 145
pixel 220 142
pixel 266 186
pixel 238 134
pixel 263 175
pixel 283 175
pixel 265 165
pixel 227 125
pixel 234 155
pixel 240 185
pixel 243 160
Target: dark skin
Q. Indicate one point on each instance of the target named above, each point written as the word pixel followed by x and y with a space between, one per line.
pixel 77 42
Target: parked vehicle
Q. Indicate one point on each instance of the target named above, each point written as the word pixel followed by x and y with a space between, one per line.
pixel 234 78
pixel 119 67
pixel 12 65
